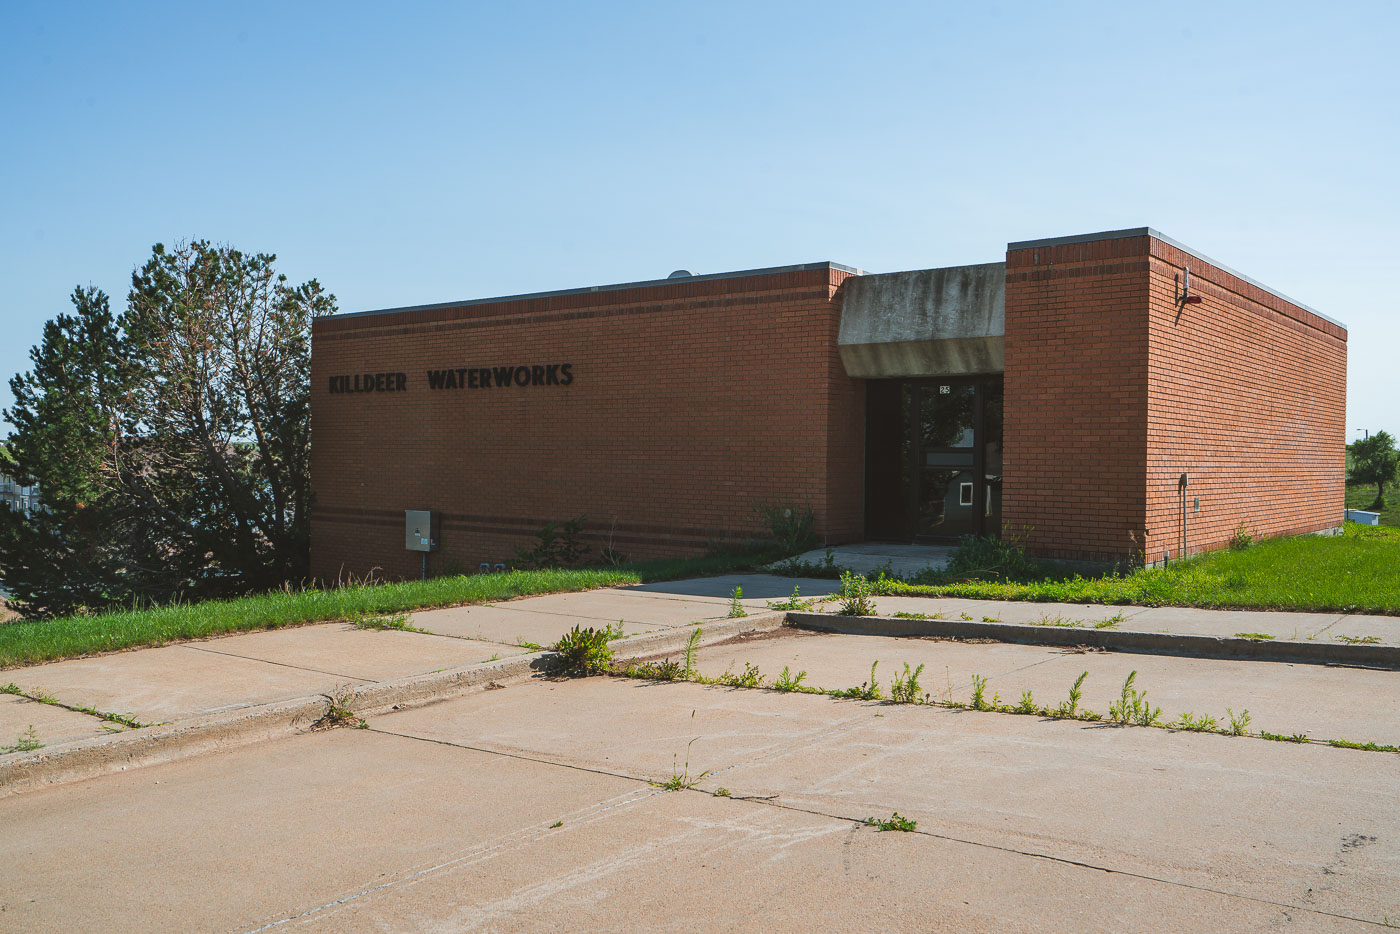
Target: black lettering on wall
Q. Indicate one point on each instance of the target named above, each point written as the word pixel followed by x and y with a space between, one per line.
pixel 553 374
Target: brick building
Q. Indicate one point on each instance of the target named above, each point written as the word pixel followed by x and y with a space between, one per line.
pixel 1097 397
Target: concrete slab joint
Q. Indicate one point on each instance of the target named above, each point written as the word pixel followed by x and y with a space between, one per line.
pixel 1164 643
pixel 232 728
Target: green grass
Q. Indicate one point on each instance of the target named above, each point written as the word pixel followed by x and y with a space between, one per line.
pixel 37 641
pixel 1363 495
pixel 1355 572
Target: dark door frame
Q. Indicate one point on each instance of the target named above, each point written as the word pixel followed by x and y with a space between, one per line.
pixel 979 452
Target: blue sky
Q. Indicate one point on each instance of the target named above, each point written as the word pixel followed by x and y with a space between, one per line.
pixel 414 153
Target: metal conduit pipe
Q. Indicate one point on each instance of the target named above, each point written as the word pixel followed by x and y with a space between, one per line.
pixel 1181 485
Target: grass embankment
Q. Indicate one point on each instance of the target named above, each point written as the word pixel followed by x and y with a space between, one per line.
pixel 1355 572
pixel 29 643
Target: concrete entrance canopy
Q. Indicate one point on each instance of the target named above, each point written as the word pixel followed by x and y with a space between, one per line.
pixel 926 322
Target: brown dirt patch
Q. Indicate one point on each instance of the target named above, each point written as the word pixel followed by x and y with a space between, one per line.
pixel 766 635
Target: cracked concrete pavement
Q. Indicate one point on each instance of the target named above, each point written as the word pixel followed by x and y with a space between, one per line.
pixel 536 806
pixel 443 818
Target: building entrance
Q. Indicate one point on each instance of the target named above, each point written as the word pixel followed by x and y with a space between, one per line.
pixel 933 458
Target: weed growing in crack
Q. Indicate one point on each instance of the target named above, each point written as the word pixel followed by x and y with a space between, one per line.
pixel 1256 636
pixel 532 646
pixel 869 690
pixel 751 678
pixel 125 719
pixel 665 670
pixel 1132 707
pixel 43 697
pixel 1359 640
pixel 398 621
pixel 1060 622
pixel 979 689
pixel 584 651
pixel 795 602
pixel 1111 622
pixel 28 741
pixel 856 596
pixel 787 681
pixel 690 646
pixel 1369 747
pixel 736 606
pixel 893 822
pixel 1192 723
pixel 1284 737
pixel 681 779
pixel 905 614
pixel 1239 725
pixel 556 824
pixel 722 793
pixel 904 688
pixel 1070 707
pixel 339 713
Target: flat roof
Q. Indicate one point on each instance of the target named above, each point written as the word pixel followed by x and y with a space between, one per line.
pixel 1150 232
pixel 616 287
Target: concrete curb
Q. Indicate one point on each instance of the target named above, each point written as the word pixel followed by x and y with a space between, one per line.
pixel 227 729
pixel 1148 643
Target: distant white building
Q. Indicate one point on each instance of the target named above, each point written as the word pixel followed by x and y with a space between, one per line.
pixel 17 496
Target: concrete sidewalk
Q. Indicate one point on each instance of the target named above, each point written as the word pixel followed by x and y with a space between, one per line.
pixel 534 803
pixel 192 680
pixel 1318 701
pixel 533 808
pixel 1327 627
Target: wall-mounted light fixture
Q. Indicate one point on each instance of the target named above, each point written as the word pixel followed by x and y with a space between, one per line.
pixel 1186 297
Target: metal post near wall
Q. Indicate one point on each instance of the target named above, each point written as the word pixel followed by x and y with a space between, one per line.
pixel 1181 485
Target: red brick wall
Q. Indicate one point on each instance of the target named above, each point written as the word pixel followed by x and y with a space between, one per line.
pixel 1247 394
pixel 692 402
pixel 1113 389
pixel 845 438
pixel 1075 447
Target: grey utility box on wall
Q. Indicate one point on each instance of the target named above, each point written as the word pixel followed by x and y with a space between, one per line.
pixel 420 529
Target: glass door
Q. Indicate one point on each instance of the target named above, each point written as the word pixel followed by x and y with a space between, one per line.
pixel 933 458
pixel 945 489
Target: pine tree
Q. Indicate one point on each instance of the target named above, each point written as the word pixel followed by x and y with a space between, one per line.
pixel 171 445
